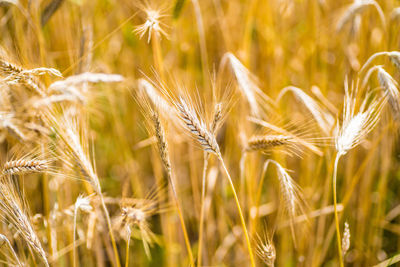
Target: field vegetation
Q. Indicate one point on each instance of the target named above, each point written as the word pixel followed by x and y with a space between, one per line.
pixel 199 133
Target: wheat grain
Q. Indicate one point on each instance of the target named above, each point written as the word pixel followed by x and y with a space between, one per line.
pixel 162 143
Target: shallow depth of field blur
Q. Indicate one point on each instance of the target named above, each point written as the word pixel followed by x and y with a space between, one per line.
pixel 124 122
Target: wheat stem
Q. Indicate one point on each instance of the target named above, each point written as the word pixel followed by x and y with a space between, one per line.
pixel 46 205
pixel 182 221
pixel 127 252
pixel 258 196
pixel 203 194
pixel 157 56
pixel 107 215
pixel 339 240
pixel 239 211
pixel 202 40
pixel 74 238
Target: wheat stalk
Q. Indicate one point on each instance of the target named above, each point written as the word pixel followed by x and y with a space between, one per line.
pixel 83 204
pixel 354 128
pixel 66 130
pixel 164 154
pixel 217 118
pixel 208 142
pixel 128 239
pixel 12 209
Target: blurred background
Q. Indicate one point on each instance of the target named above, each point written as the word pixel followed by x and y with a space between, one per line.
pixel 315 45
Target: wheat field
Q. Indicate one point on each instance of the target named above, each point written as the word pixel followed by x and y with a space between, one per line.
pixel 199 133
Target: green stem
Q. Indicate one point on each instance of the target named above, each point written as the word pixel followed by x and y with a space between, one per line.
pixel 339 242
pixel 182 221
pixel 127 250
pixel 246 234
pixel 114 245
pixel 203 193
pixel 258 196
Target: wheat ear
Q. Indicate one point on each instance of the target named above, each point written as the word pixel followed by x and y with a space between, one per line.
pixel 12 206
pixel 164 154
pixel 214 126
pixel 346 239
pixel 197 128
pixel 207 140
pixel 266 142
pixel 67 131
pixel 24 166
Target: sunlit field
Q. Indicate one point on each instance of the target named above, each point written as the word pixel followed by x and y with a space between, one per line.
pixel 199 133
